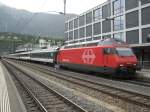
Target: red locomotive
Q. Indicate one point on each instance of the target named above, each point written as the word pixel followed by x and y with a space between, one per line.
pixel 109 56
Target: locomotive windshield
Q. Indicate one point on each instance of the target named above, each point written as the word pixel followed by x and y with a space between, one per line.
pixel 124 52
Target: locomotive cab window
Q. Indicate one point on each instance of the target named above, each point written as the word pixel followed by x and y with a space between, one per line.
pixel 109 51
pixel 124 52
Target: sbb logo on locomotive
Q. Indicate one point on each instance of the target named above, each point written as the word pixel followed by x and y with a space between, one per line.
pixel 88 56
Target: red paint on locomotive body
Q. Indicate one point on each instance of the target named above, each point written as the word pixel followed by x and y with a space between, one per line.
pixel 96 58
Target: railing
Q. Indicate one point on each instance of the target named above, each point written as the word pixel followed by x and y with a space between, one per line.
pixel 144 64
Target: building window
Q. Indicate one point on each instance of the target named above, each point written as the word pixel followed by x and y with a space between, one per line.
pixel 81 20
pixel 146 16
pixel 66 36
pixel 82 40
pixel 146 35
pixel 132 19
pixel 89 31
pixel 76 23
pixel 131 4
pixel 97 38
pixel 97 28
pixel 88 17
pixel 106 26
pixel 106 11
pixel 70 25
pixel 118 23
pixel 97 14
pixel 132 37
pixel 82 32
pixel 118 6
pixel 76 34
pixel 119 36
pixel 66 27
pixel 145 2
pixel 71 35
pixel 106 36
pixel 89 39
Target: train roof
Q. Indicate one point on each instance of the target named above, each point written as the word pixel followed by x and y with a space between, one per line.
pixel 52 49
pixel 102 42
pixel 44 50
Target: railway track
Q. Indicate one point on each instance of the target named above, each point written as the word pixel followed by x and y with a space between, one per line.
pixel 41 98
pixel 134 98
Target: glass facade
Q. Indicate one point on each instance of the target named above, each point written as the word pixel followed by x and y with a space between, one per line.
pixel 97 28
pixel 97 15
pixel 146 16
pixel 106 26
pixel 89 18
pixel 145 2
pixel 89 31
pixel 130 4
pixel 81 20
pixel 76 34
pixel 132 37
pixel 146 35
pixel 106 11
pixel 118 23
pixel 119 36
pixel 132 19
pixel 93 25
pixel 66 27
pixel 82 32
pixel 71 35
pixel 118 6
pixel 76 23
pixel 70 25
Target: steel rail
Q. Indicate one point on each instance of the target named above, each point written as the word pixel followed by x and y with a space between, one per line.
pixel 66 78
pixel 51 90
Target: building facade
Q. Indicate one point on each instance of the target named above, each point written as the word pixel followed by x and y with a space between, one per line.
pixel 128 20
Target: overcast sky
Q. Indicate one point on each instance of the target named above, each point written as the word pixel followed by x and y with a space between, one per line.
pixel 73 6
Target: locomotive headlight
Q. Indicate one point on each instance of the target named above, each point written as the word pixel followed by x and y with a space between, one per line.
pixel 121 65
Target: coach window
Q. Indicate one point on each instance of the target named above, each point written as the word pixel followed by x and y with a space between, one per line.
pixel 118 6
pixel 97 14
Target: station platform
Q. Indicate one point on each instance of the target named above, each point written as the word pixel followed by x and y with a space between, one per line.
pixel 144 73
pixel 10 100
